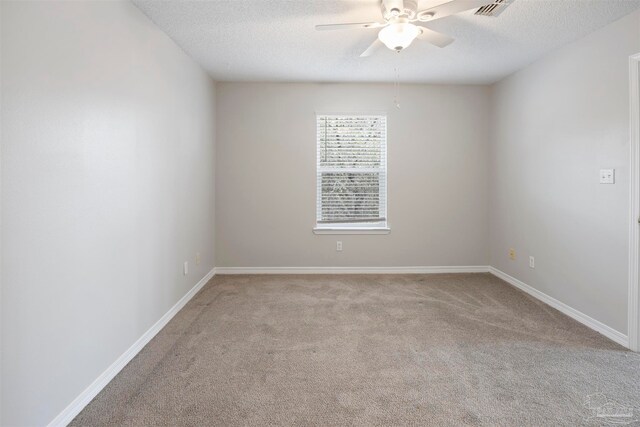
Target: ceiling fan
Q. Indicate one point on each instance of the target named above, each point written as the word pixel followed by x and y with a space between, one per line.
pixel 404 23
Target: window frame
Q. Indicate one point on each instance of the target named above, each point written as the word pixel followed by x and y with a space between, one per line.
pixel 381 227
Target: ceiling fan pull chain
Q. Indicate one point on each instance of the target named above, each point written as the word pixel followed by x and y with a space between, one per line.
pixel 396 84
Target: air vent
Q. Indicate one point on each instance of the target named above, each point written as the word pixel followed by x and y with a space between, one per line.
pixel 495 8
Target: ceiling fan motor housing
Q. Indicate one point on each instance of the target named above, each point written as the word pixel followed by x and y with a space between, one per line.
pixel 398 8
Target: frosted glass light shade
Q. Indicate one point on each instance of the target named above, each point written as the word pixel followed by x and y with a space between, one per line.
pixel 398 36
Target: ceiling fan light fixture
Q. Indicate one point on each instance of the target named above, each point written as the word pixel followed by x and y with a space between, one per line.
pixel 398 36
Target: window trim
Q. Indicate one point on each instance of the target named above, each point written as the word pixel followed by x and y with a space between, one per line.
pixel 381 227
pixel 352 230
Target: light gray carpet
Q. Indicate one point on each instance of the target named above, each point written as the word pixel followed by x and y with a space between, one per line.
pixel 463 349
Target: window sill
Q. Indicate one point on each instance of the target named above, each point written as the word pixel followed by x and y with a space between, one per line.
pixel 359 230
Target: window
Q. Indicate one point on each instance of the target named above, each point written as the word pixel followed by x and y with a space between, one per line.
pixel 351 174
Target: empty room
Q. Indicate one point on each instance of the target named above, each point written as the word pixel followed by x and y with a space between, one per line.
pixel 319 212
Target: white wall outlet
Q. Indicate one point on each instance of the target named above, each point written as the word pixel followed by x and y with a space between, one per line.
pixel 512 253
pixel 607 176
pixel 197 258
pixel 185 268
pixel 532 262
pixel 339 246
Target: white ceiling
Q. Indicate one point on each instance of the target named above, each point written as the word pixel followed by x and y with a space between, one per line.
pixel 275 40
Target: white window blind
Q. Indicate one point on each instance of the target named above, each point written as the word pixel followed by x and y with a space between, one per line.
pixel 352 170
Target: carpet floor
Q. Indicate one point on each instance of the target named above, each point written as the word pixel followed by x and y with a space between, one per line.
pixel 326 350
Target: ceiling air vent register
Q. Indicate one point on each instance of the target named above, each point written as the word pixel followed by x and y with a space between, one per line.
pixel 495 8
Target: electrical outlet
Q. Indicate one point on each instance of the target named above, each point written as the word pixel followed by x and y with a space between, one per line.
pixel 607 176
pixel 185 268
pixel 512 253
pixel 532 262
pixel 339 246
pixel 197 258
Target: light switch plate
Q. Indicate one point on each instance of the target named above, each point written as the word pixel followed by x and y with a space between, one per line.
pixel 607 176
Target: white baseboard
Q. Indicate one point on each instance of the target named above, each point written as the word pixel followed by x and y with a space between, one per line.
pixel 352 270
pixel 590 322
pixel 74 408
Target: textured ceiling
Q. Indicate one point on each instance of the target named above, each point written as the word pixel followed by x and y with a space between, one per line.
pixel 275 40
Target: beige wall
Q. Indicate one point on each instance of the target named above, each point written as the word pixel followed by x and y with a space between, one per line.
pixel 555 125
pixel 107 187
pixel 266 165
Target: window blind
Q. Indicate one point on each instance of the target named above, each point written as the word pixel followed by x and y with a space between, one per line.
pixel 351 169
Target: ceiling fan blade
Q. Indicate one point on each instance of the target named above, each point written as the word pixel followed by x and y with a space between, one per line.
pixel 434 37
pixel 372 48
pixel 352 26
pixel 451 8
